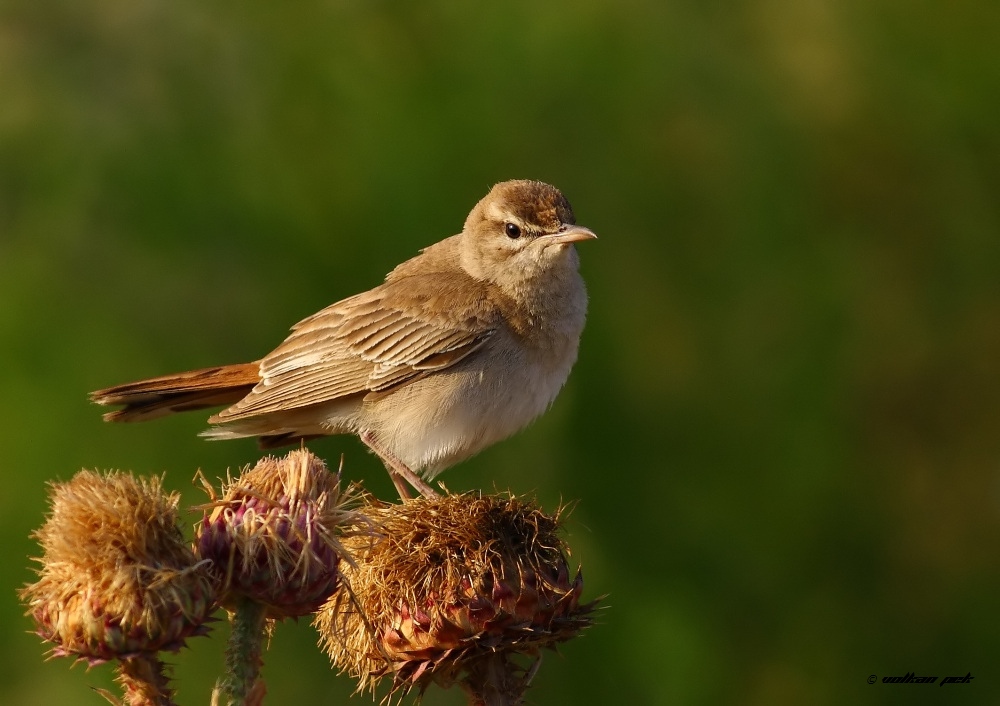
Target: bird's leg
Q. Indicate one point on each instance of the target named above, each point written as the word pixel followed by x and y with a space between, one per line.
pixel 401 485
pixel 398 471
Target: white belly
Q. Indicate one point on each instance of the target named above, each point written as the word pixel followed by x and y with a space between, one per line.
pixel 451 415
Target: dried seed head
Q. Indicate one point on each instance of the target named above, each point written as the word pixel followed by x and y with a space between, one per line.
pixel 450 582
pixel 117 579
pixel 272 535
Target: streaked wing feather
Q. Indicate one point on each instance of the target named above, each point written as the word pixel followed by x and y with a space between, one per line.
pixel 374 344
pixel 370 342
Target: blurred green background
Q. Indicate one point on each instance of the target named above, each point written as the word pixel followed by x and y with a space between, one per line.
pixel 782 432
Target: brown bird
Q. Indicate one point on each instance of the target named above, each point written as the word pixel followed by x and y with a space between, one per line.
pixel 459 348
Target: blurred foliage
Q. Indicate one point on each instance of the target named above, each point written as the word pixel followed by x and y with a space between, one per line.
pixel 783 428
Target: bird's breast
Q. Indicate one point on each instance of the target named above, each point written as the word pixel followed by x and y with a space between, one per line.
pixel 452 414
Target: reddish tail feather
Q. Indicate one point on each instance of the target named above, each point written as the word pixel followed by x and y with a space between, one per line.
pixel 181 392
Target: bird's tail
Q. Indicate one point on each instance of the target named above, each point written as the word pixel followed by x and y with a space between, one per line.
pixel 195 389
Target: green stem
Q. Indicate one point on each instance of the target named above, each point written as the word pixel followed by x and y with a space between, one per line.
pixel 243 656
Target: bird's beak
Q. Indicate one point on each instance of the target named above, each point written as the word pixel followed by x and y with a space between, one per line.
pixel 570 234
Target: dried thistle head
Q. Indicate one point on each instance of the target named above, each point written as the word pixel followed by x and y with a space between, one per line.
pixel 117 579
pixel 273 534
pixel 450 583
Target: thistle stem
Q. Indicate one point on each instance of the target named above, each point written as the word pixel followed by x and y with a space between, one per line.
pixel 242 685
pixel 144 682
pixel 496 681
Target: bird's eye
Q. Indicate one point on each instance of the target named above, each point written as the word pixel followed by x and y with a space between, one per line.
pixel 512 230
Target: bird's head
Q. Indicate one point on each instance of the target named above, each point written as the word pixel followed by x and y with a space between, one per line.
pixel 520 231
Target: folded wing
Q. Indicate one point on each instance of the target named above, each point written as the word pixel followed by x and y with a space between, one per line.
pixel 371 343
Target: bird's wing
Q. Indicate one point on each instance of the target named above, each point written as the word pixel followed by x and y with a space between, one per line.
pixel 371 342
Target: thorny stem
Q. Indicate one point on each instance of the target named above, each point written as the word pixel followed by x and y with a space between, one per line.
pixel 496 681
pixel 144 682
pixel 242 685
